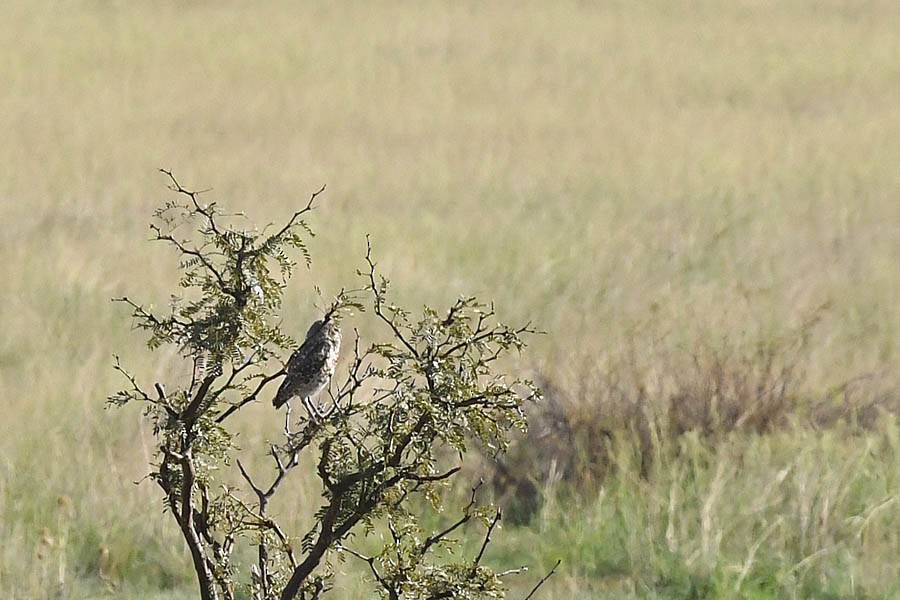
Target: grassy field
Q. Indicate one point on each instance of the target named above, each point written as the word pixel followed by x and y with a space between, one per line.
pixel 655 184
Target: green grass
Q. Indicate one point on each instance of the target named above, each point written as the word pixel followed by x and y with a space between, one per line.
pixel 642 179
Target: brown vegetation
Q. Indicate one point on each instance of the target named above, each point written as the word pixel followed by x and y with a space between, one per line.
pixel 588 413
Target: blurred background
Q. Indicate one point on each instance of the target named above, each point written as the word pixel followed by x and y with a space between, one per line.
pixel 699 202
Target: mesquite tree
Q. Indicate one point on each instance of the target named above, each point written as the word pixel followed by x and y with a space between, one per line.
pixel 379 439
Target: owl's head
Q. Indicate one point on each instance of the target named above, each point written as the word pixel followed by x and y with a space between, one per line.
pixel 314 328
pixel 327 326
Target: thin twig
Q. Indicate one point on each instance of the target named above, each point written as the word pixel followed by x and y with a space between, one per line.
pixel 247 400
pixel 379 301
pixel 487 537
pixel 542 581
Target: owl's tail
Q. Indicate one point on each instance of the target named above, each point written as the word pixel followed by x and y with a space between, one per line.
pixel 281 397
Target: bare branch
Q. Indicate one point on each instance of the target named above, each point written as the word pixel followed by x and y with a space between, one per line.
pixel 379 302
pixel 392 593
pixel 189 532
pixel 467 516
pixel 253 396
pixel 487 537
pixel 542 581
pixel 293 220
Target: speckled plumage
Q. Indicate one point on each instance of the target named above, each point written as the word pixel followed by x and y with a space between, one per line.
pixel 311 366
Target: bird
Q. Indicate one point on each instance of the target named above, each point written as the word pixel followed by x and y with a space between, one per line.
pixel 311 366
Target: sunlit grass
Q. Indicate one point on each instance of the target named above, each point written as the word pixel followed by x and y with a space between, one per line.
pixel 625 174
pixel 760 518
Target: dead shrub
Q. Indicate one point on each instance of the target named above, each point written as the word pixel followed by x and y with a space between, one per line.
pixel 859 403
pixel 723 390
pixel 571 438
pixel 647 402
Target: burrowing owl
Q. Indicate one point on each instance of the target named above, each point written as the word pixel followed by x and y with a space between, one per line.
pixel 311 366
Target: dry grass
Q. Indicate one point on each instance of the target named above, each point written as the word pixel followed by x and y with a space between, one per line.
pixel 713 393
pixel 644 180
